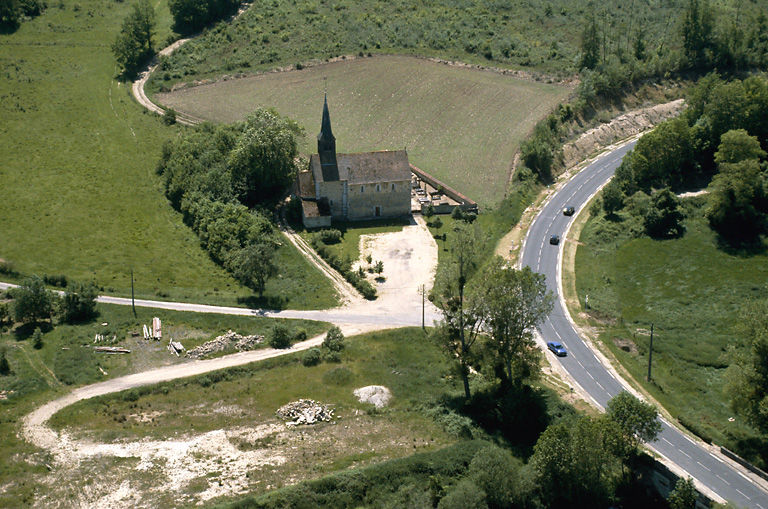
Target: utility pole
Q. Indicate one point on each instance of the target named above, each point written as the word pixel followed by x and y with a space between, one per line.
pixel 423 291
pixel 650 355
pixel 133 303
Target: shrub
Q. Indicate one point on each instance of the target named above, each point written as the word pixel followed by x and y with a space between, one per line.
pixel 338 376
pixel 7 268
pixel 59 280
pixel 312 357
pixel 5 368
pixel 37 339
pixel 78 303
pixel 331 236
pixel 279 337
pixel 5 314
pixel 437 223
pixel 332 357
pixel 169 117
pixel 300 335
pixel 334 340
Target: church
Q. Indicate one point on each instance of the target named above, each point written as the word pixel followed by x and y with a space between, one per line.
pixel 352 187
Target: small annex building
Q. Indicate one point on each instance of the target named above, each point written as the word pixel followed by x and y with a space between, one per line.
pixel 352 187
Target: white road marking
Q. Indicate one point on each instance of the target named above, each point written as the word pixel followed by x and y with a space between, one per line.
pixel 758 505
pixel 726 482
pixel 702 465
pixel 718 459
pixel 685 453
pixel 742 494
pixel 599 385
pixel 590 375
pixel 667 441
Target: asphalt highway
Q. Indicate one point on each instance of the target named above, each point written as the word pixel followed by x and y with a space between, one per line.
pixel 582 364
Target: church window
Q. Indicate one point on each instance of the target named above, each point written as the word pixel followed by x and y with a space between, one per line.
pixel 393 186
pixel 362 189
pixel 378 187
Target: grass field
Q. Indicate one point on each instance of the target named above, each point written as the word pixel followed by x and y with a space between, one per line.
pixel 403 360
pixel 79 192
pixel 460 124
pixel 515 33
pixel 691 291
pixel 66 360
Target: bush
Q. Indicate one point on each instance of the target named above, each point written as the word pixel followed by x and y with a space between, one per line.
pixel 300 335
pixel 279 337
pixel 338 376
pixel 311 357
pixel 5 368
pixel 334 340
pixel 5 314
pixel 331 236
pixel 37 339
pixel 59 280
pixel 169 117
pixel 332 357
pixel 78 303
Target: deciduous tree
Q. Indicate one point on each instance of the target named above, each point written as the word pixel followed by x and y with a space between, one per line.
pixel 262 163
pixel 254 264
pixel 574 463
pixel 32 301
pixel 511 303
pixel 133 45
pixel 637 420
pixel 458 330
pixel 684 495
pixel 664 218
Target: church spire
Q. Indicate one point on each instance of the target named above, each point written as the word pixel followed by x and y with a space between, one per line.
pixel 326 147
pixel 326 134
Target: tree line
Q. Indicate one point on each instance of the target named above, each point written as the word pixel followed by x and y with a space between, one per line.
pixel 225 179
pixel 12 12
pixel 718 141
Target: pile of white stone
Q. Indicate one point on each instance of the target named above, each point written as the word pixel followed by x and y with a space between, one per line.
pixel 304 411
pixel 376 395
pixel 225 342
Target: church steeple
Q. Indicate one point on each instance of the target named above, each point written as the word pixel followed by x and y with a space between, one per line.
pixel 326 140
pixel 326 146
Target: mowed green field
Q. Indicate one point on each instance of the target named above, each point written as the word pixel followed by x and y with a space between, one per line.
pixel 79 193
pixel 462 125
pixel 692 292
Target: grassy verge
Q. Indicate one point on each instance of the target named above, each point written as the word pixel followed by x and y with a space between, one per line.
pixel 691 290
pixel 80 195
pixel 449 118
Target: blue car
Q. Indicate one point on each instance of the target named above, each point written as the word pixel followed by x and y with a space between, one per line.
pixel 557 348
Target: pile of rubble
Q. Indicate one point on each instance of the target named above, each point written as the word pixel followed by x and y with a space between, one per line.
pixel 304 411
pixel 225 342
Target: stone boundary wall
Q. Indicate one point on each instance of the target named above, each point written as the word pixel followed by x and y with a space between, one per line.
pixel 465 203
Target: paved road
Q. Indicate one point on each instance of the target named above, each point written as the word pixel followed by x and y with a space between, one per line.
pixel 582 364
